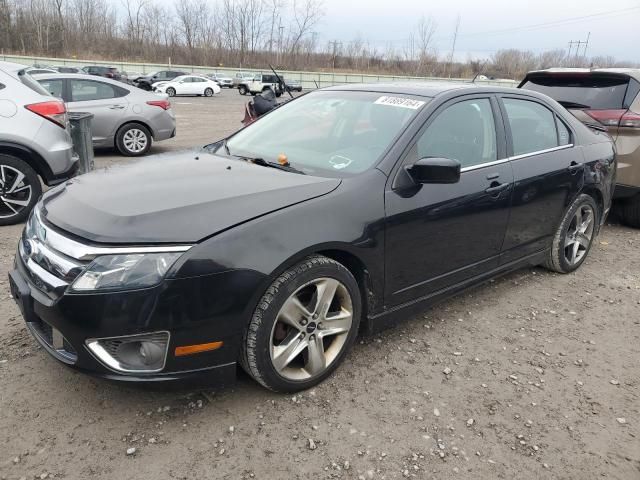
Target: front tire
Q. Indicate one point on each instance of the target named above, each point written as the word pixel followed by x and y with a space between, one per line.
pixel 574 237
pixel 171 92
pixel 20 189
pixel 133 140
pixel 630 211
pixel 303 326
pixel 242 90
pixel 208 92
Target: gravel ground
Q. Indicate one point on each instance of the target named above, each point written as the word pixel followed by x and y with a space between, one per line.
pixel 531 376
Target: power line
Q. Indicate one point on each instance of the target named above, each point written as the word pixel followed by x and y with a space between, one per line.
pixel 552 24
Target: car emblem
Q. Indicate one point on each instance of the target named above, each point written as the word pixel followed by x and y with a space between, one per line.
pixel 29 247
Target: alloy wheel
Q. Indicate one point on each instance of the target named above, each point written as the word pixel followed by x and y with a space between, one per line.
pixel 311 329
pixel 579 235
pixel 15 191
pixel 135 140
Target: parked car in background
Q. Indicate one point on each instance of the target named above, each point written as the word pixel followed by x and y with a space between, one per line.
pixel 261 82
pixel 35 144
pixel 293 85
pixel 180 269
pixel 608 98
pixel 130 77
pixel 242 77
pixel 147 81
pixel 221 79
pixel 37 70
pixel 188 85
pixel 102 71
pixel 124 117
pixel 67 69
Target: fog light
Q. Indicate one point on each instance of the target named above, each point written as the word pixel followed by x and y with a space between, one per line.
pixel 145 353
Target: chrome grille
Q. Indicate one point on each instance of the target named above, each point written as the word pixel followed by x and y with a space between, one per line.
pixel 48 267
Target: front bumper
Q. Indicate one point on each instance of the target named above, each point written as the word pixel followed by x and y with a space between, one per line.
pixel 62 323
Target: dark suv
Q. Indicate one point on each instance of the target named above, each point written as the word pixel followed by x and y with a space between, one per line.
pixel 162 76
pixel 608 99
pixel 101 71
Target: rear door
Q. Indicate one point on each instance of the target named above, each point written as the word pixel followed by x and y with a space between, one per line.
pixel 106 102
pixel 548 173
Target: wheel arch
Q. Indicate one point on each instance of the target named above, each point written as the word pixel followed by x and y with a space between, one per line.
pixel 597 195
pixel 352 262
pixel 132 122
pixel 29 156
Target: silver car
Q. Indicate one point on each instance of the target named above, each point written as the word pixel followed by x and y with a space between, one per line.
pixel 124 117
pixel 35 143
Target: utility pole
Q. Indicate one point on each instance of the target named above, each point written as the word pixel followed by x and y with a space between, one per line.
pixel 335 44
pixel 578 43
pixel 586 45
pixel 453 47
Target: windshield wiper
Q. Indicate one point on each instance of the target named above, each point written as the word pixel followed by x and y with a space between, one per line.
pixel 262 162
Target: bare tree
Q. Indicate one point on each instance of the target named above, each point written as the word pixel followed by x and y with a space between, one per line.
pixel 306 15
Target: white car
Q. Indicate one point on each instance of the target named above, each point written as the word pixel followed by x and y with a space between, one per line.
pixel 188 85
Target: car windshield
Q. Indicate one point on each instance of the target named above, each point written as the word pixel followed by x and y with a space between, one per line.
pixel 329 133
pixel 582 91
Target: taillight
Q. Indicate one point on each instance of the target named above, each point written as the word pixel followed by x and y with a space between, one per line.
pixel 163 104
pixel 608 118
pixel 54 111
pixel 630 120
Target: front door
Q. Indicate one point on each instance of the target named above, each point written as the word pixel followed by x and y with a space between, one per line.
pixel 106 102
pixel 440 235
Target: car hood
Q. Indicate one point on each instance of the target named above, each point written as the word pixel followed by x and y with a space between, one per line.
pixel 174 198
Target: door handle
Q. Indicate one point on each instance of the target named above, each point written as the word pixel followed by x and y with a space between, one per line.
pixel 574 167
pixel 496 188
pixel 116 107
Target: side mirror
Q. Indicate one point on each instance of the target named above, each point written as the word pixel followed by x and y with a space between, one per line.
pixel 435 170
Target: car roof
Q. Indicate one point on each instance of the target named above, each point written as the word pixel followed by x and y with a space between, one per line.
pixel 632 72
pixel 80 76
pixel 423 89
pixel 12 68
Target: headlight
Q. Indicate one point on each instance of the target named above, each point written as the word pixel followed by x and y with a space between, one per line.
pixel 127 271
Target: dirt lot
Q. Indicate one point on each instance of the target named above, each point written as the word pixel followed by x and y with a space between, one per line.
pixel 542 381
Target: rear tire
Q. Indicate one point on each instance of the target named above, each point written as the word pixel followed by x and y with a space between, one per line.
pixel 242 90
pixel 19 191
pixel 629 210
pixel 575 235
pixel 303 326
pixel 133 140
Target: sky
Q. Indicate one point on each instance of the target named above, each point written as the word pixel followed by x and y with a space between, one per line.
pixel 483 24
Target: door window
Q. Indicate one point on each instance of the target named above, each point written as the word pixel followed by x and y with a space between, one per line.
pixel 54 87
pixel 533 126
pixel 87 90
pixel 464 131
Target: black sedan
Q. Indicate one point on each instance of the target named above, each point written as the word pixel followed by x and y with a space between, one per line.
pixel 273 252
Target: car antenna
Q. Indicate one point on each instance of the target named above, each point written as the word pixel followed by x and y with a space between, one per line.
pixel 280 81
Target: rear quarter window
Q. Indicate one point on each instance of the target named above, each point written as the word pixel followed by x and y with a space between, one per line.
pixel 582 91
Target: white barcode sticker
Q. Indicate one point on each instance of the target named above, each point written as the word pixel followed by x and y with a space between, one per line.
pixel 400 102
